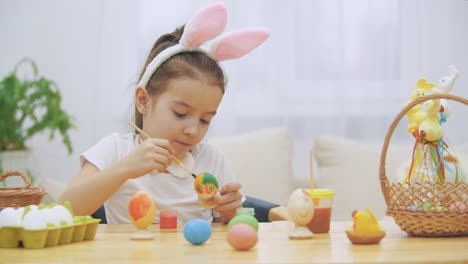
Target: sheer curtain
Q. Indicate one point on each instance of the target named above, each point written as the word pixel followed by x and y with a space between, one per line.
pixel 330 66
pixel 339 67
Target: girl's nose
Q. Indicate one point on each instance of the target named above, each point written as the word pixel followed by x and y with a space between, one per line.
pixel 191 128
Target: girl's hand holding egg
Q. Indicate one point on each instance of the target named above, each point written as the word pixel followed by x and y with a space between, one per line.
pixel 225 201
pixel 229 200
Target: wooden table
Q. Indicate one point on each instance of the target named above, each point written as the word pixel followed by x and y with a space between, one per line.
pixel 113 245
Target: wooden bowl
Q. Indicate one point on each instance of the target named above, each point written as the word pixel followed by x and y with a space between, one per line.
pixel 364 239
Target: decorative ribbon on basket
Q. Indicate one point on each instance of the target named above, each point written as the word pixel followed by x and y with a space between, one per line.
pixel 431 150
pixel 445 211
pixel 19 196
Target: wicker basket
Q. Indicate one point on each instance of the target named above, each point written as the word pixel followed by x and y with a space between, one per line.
pixel 19 196
pixel 400 197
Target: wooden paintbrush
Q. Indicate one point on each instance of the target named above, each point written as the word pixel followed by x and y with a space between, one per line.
pixel 173 158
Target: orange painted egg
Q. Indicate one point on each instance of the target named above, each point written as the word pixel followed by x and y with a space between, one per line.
pixel 141 210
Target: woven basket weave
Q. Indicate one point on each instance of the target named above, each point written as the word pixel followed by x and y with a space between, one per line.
pixel 19 196
pixel 401 197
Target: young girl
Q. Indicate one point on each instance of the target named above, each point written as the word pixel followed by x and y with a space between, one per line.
pixel 180 89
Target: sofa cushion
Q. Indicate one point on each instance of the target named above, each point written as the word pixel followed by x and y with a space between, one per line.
pixel 262 162
pixel 351 169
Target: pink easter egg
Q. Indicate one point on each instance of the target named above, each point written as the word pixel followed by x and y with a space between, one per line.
pixel 242 237
pixel 458 207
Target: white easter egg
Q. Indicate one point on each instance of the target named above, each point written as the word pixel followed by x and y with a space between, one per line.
pixel 34 220
pixel 62 214
pixel 50 217
pixel 10 217
pixel 20 211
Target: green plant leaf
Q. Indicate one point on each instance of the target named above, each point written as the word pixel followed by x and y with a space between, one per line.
pixel 30 106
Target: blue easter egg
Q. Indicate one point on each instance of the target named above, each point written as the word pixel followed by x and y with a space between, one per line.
pixel 197 231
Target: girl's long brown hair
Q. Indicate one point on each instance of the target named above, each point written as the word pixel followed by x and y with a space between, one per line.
pixel 190 64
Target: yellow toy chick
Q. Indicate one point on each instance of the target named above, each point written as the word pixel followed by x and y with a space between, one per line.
pixel 365 222
pixel 416 114
pixel 430 128
pixel 366 228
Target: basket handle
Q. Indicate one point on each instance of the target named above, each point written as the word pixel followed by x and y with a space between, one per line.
pixel 384 183
pixel 26 179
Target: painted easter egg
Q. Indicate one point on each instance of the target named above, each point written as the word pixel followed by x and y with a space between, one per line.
pixel 301 207
pixel 206 185
pixel 141 209
pixel 242 237
pixel 458 207
pixel 244 219
pixel 197 231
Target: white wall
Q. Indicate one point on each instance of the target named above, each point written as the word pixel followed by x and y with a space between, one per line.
pixel 94 51
pixel 89 49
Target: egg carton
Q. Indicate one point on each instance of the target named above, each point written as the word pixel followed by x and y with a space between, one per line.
pixel 14 237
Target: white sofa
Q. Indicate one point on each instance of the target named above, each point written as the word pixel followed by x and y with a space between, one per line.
pixel 351 169
pixel 263 162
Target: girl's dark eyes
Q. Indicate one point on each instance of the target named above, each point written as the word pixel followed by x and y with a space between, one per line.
pixel 179 114
pixel 182 115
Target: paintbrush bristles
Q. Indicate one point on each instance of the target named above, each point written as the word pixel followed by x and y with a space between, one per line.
pixel 183 166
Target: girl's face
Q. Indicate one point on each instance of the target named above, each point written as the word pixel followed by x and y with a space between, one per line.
pixel 182 114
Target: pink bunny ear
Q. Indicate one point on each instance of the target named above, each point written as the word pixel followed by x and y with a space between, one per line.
pixel 237 44
pixel 206 24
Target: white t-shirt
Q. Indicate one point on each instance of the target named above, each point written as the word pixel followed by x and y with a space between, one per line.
pixel 173 190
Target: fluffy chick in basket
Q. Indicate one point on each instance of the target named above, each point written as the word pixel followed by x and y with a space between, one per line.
pixel 430 128
pixel 416 114
pixel 366 229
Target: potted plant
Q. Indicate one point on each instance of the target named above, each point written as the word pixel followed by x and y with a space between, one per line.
pixel 28 106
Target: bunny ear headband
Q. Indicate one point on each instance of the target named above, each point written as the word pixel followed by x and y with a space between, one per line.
pixel 205 25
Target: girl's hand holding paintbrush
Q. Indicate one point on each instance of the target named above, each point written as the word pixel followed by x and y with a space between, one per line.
pixel 153 154
pixel 230 196
pixel 171 157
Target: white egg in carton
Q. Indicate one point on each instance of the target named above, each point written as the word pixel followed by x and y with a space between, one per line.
pixel 44 226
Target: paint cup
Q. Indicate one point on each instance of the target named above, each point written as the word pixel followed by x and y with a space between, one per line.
pixel 323 199
pixel 168 219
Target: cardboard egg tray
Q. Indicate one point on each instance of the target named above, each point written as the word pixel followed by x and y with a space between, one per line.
pixel 14 237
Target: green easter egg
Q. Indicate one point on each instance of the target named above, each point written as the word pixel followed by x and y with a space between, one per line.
pixel 427 206
pixel 244 219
